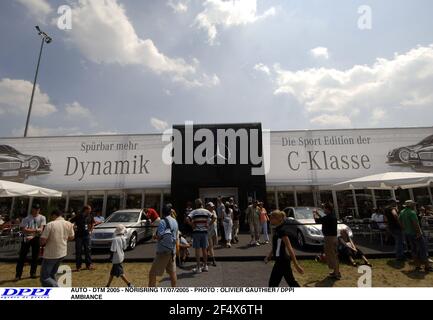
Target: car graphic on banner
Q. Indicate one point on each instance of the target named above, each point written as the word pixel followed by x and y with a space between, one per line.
pixel 418 156
pixel 16 166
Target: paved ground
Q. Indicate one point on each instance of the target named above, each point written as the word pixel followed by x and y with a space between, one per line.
pixel 239 252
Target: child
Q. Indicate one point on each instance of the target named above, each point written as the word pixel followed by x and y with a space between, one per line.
pixel 280 242
pixel 118 247
pixel 183 250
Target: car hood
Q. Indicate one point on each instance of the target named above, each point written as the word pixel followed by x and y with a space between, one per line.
pixel 312 223
pixel 110 226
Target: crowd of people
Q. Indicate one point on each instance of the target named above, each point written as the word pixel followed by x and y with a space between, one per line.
pixel 208 226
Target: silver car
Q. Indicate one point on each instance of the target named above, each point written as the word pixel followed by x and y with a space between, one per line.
pixel 311 233
pixel 135 222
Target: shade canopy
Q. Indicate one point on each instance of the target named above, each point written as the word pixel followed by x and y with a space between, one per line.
pixel 389 180
pixel 13 189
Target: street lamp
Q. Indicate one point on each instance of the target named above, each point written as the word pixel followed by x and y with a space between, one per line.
pixel 45 39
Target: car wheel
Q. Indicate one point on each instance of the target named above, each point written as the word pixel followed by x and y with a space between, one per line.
pixel 404 155
pixel 35 163
pixel 133 241
pixel 300 239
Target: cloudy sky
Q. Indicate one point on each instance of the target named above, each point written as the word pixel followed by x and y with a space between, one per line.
pixel 130 66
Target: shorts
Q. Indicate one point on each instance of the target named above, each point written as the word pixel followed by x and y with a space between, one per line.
pixel 163 262
pixel 200 240
pixel 117 270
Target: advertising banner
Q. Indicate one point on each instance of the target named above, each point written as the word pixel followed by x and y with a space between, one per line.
pixel 331 156
pixel 86 163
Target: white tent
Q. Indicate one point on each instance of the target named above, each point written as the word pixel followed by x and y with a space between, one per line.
pixel 13 189
pixel 389 180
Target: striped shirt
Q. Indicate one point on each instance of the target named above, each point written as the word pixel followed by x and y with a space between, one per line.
pixel 200 219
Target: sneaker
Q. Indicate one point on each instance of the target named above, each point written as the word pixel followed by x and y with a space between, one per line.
pixel 130 285
pixel 17 278
pixel 91 267
pixel 266 242
pixel 197 271
pixel 252 243
pixel 205 269
pixel 257 244
pixel 214 264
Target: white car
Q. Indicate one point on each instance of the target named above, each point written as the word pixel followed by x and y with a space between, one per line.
pixel 305 230
pixel 137 226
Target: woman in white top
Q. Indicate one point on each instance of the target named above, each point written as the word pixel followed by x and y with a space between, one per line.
pixel 228 224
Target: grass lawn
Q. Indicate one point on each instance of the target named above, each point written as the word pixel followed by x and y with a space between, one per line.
pixel 386 273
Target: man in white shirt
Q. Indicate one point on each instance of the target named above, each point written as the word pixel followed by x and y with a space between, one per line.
pixel 55 239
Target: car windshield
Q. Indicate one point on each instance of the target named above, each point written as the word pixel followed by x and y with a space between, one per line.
pixel 306 213
pixel 124 217
pixel 428 140
pixel 8 149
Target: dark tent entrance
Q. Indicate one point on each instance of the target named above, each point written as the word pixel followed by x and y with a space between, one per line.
pixel 209 181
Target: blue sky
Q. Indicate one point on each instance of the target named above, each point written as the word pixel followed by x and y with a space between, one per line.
pixel 140 66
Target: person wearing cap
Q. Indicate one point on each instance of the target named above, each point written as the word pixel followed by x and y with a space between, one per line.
pixel 54 240
pixel 31 227
pixel 212 233
pixel 118 247
pixel 412 229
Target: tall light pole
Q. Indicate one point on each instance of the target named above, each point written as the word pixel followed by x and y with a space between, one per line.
pixel 45 39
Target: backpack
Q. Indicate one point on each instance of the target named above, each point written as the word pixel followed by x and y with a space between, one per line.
pixel 168 239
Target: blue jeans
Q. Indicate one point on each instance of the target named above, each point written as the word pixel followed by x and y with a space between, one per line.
pixel 82 244
pixel 48 272
pixel 399 243
pixel 265 230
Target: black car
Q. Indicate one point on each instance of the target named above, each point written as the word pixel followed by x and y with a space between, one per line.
pixel 418 154
pixel 14 164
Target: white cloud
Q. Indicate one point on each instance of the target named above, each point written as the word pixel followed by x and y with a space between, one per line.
pixel 331 121
pixel 158 124
pixel 77 110
pixel 225 14
pixel 377 116
pixel 320 52
pixel 104 34
pixel 363 93
pixel 179 6
pixel 263 68
pixel 38 9
pixel 15 99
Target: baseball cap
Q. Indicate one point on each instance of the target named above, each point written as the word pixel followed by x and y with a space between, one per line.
pixel 409 203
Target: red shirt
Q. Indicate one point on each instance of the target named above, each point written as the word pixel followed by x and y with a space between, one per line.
pixel 152 214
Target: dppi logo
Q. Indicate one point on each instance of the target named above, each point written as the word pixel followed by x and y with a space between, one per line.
pixel 25 294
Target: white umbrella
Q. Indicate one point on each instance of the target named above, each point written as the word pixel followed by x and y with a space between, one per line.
pixel 389 180
pixel 13 189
